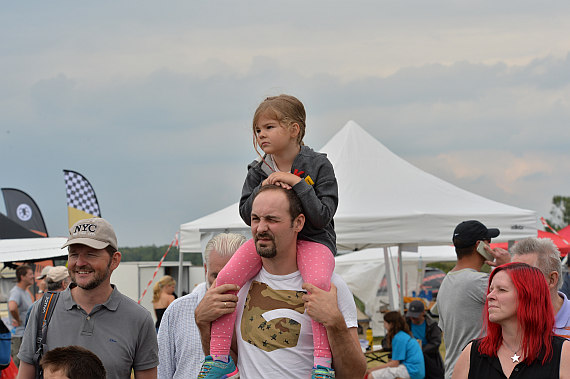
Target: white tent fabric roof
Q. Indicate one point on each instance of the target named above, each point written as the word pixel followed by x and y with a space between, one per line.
pixel 425 254
pixel 384 201
pixel 16 250
pixel 364 270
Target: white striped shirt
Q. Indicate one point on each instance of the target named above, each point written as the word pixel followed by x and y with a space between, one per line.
pixel 179 347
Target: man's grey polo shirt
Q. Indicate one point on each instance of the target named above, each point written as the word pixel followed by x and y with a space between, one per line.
pixel 120 332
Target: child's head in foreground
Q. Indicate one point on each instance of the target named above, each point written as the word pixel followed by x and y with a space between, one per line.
pixel 72 362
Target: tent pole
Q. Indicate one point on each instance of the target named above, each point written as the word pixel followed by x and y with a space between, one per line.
pixel 388 279
pixel 401 265
pixel 180 271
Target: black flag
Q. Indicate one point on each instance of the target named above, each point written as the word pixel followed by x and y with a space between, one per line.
pixel 23 210
pixel 10 230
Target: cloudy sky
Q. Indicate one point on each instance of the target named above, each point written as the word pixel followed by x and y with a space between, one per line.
pixel 152 101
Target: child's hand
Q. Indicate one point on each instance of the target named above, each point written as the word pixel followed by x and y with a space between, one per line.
pixel 283 179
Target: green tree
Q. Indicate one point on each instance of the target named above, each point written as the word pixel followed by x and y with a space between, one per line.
pixel 154 253
pixel 148 253
pixel 560 212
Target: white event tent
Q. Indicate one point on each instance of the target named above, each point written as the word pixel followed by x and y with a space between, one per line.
pixel 384 201
pixel 24 249
pixel 371 264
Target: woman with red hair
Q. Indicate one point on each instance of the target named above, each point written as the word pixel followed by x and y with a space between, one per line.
pixel 518 321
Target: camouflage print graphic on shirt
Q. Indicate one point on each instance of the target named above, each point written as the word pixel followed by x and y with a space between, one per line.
pixel 269 335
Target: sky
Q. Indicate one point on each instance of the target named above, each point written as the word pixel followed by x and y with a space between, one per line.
pixel 152 101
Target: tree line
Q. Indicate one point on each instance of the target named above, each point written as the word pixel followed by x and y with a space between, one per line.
pixel 154 253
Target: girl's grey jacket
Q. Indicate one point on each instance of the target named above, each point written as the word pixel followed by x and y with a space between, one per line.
pixel 318 193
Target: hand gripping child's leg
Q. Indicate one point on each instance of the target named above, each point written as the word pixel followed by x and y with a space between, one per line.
pixel 316 264
pixel 243 265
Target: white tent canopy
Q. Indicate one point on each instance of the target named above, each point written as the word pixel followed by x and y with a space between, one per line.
pixel 364 270
pixel 24 249
pixel 384 201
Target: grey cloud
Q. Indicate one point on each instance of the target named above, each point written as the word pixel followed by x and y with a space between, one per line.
pixel 175 145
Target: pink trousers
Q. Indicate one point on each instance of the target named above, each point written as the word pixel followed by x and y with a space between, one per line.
pixel 316 264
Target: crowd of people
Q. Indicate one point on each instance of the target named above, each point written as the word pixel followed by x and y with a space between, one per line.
pixel 272 307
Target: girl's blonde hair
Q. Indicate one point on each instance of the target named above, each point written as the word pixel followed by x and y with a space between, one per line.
pixel 166 280
pixel 286 109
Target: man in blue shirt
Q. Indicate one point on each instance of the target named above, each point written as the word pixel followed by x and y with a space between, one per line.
pixel 425 329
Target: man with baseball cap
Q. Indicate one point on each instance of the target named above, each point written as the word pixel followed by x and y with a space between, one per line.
pixel 41 280
pixel 461 297
pixel 425 329
pixel 57 278
pixel 92 313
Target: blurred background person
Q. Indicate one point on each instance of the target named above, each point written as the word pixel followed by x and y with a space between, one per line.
pixel 18 303
pixel 518 323
pixel 57 278
pixel 426 330
pixel 566 279
pixel 407 358
pixel 41 281
pixel 163 295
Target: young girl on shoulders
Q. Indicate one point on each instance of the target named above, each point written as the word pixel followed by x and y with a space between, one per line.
pixel 278 130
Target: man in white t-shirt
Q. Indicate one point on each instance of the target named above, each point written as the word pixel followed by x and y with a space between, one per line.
pixel 273 337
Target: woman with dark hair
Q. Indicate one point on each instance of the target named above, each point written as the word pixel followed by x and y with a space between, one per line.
pixel 407 357
pixel 518 321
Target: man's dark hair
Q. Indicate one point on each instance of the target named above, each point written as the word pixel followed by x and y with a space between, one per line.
pixel 295 207
pixel 464 251
pixel 22 271
pixel 111 250
pixel 75 361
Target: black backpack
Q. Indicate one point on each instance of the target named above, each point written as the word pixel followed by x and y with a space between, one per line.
pixel 45 311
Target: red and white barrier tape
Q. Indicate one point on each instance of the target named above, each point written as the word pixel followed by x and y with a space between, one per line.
pixel 173 243
pixel 552 229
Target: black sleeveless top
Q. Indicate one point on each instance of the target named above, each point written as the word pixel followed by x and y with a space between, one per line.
pixel 159 312
pixel 484 366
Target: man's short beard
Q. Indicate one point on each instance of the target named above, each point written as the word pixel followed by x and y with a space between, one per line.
pixel 96 282
pixel 267 251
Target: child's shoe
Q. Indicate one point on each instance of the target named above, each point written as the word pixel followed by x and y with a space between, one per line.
pixel 212 369
pixel 321 372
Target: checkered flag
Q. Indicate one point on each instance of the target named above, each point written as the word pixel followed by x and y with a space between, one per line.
pixel 81 199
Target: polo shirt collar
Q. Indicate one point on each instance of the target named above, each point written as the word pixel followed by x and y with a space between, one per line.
pixel 563 314
pixel 111 304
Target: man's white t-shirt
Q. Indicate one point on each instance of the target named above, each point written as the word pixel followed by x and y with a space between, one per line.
pixel 274 334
